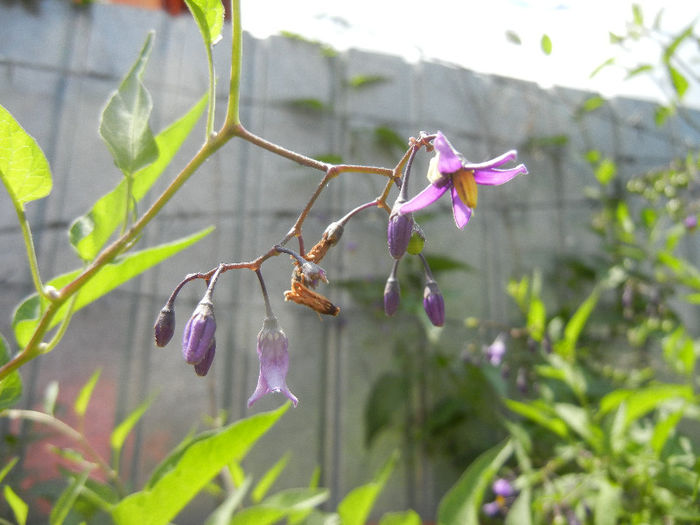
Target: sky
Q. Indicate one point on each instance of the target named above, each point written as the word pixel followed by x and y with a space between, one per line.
pixel 473 35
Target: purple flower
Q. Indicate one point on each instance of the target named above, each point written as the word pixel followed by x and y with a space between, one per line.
pixel 274 362
pixel 449 170
pixel 690 222
pixel 502 487
pixel 202 368
pixel 492 508
pixel 165 326
pixel 433 303
pixel 399 230
pixel 199 332
pixel 496 350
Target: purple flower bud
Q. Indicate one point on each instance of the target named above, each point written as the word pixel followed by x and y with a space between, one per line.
pixel 165 326
pixel 334 232
pixel 204 365
pixel 433 303
pixel 392 294
pixel 199 332
pixel 492 508
pixel 313 273
pixel 502 487
pixel 274 362
pixel 691 222
pixel 496 350
pixel 399 230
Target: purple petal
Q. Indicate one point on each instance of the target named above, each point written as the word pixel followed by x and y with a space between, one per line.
pixel 449 161
pixel 274 362
pixel 494 177
pixel 461 212
pixel 425 198
pixel 493 163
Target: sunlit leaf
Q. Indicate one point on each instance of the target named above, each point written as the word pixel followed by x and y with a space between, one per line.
pixel 263 486
pixel 520 513
pixel 546 44
pixel 209 15
pixel 27 314
pixel 607 503
pixel 355 507
pixel 513 38
pixel 89 232
pixel 8 467
pixel 83 399
pixel 462 503
pixel 198 464
pixel 122 431
pixel 607 63
pixel 279 506
pixel 65 502
pixel 224 512
pixel 19 508
pixel 637 14
pixel 640 402
pixel 567 346
pixel 536 414
pixel 605 171
pixel 24 169
pixel 408 517
pixel 362 81
pixel 678 80
pixel 645 68
pixel 124 124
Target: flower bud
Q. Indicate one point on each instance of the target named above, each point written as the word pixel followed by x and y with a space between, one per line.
pixel 392 294
pixel 334 232
pixel 691 222
pixel 274 362
pixel 204 365
pixel 313 273
pixel 199 332
pixel 433 303
pixel 165 326
pixel 417 241
pixel 399 233
pixel 495 351
pixel 502 487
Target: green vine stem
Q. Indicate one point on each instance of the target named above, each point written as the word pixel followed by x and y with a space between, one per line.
pixel 31 252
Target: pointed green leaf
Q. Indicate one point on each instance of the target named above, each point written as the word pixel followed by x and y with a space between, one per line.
pixel 65 502
pixel 111 276
pixel 539 414
pixel 224 512
pixel 7 468
pixel 280 505
pixel 19 508
pixel 663 430
pixel 640 402
pixel 355 507
pixel 605 171
pixel 567 346
pixel 209 15
pixel 520 512
pixel 124 125
pixel 11 386
pixel 83 399
pixel 263 486
pixel 199 463
pixel 122 431
pixel 24 169
pixel 89 232
pixel 678 81
pixel 607 503
pixel 463 501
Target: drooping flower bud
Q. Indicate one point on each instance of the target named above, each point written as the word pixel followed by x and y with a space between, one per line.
pixel 204 365
pixel 313 274
pixel 433 303
pixel 199 332
pixel 502 487
pixel 334 232
pixel 165 326
pixel 274 362
pixel 392 294
pixel 496 350
pixel 417 241
pixel 399 230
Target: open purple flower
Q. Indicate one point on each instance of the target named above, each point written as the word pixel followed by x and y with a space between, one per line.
pixel 274 362
pixel 449 170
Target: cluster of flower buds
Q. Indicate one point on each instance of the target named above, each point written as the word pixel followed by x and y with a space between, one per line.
pixel 504 495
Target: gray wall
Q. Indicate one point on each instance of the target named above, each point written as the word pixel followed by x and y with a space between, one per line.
pixel 59 64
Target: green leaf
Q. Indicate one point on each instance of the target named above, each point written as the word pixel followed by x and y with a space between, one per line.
pixel 579 421
pixel 539 414
pixel 83 399
pixel 362 81
pixel 567 346
pixel 124 124
pixel 28 313
pixel 89 233
pixel 224 512
pixel 519 513
pixel 50 397
pixel 280 505
pixel 19 508
pixel 670 50
pixel 605 171
pixel 355 507
pixel 199 463
pixel 122 431
pixel 644 68
pixel 24 169
pixel 536 319
pixel 598 69
pixel 263 486
pixel 607 503
pixel 389 139
pixel 513 37
pixel 408 517
pixel 637 14
pixel 678 80
pixel 639 402
pixel 209 15
pixel 663 430
pixel 546 44
pixel 7 468
pixel 65 502
pixel 463 501
pixel 679 351
pixel 11 386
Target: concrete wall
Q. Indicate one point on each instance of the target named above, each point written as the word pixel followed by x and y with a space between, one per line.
pixel 58 66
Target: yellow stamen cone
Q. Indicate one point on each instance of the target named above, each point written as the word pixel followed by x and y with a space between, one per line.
pixel 466 188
